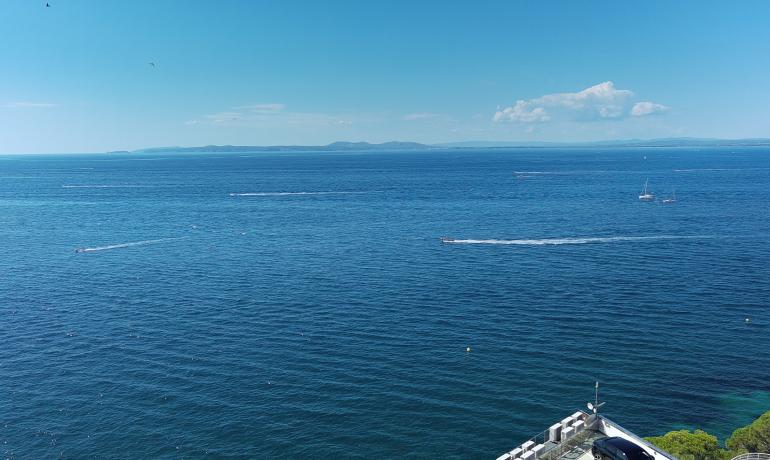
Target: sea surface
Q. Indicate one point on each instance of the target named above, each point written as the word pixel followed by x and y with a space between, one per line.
pixel 301 305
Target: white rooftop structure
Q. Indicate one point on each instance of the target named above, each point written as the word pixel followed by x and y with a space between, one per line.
pixel 575 441
pixel 573 438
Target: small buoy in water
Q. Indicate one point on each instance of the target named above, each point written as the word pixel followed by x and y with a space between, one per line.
pixel 468 350
pixel 748 320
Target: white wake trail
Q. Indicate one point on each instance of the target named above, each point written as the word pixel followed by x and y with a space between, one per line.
pixel 128 245
pixel 106 186
pixel 291 193
pixel 576 240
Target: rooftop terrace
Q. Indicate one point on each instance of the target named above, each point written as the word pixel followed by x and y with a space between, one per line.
pixel 572 439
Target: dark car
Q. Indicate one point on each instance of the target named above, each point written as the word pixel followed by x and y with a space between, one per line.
pixel 616 448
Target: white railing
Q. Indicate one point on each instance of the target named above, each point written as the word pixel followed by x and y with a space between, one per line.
pixel 752 456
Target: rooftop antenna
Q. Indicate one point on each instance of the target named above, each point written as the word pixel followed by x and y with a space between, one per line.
pixel 594 407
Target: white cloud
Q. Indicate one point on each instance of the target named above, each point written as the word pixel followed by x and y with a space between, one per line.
pixel 599 102
pixel 263 108
pixel 27 104
pixel 420 116
pixel 523 111
pixel 268 116
pixel 641 109
pixel 222 117
pixel 243 113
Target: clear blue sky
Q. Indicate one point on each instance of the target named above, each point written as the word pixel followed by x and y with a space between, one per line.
pixel 76 77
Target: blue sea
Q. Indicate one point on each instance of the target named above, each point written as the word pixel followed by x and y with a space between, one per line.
pixel 301 305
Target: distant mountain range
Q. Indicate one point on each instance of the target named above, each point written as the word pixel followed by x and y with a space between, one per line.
pixel 333 147
pixel 393 146
pixel 664 142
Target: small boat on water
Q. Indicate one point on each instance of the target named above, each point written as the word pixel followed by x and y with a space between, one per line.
pixel 670 200
pixel 646 194
pixel 446 239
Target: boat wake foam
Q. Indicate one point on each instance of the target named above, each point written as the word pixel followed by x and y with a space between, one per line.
pixel 292 193
pixel 127 245
pixel 106 186
pixel 566 172
pixel 576 240
pixel 718 169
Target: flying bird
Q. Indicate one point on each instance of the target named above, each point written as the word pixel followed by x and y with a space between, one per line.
pixel 47 5
pixel 152 64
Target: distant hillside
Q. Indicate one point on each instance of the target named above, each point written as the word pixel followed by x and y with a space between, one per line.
pixel 395 146
pixel 666 142
pixel 333 147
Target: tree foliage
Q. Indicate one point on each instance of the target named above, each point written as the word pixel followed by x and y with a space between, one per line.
pixel 687 445
pixel 752 438
pixel 699 445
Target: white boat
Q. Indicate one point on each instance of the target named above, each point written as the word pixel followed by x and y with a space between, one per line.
pixel 671 199
pixel 646 195
pixel 446 239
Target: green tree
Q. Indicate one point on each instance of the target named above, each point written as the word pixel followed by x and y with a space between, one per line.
pixel 686 445
pixel 752 438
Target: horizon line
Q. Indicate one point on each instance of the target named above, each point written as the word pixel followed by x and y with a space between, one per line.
pixel 414 145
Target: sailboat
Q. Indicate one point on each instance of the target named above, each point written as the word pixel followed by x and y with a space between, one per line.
pixel 646 195
pixel 671 199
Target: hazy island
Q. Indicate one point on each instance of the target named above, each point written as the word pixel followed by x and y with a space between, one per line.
pixel 333 147
pixel 407 146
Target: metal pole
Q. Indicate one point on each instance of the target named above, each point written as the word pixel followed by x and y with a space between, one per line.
pixel 596 401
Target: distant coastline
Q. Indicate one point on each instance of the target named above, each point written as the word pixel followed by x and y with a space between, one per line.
pixel 659 142
pixel 407 146
pixel 333 147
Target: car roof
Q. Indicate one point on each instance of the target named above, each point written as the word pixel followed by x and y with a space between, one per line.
pixel 622 443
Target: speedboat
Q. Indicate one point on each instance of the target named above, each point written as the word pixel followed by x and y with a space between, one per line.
pixel 446 239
